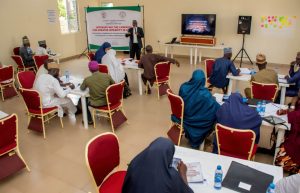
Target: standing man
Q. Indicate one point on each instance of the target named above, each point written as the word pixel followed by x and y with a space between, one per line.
pixel 135 43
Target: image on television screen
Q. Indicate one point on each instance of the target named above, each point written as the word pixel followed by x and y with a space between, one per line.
pixel 198 24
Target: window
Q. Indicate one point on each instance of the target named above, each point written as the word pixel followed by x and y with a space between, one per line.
pixel 106 4
pixel 68 16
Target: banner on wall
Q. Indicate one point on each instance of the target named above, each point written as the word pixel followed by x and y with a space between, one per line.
pixel 274 22
pixel 110 24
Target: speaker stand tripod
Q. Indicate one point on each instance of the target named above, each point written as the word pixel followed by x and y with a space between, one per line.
pixel 242 51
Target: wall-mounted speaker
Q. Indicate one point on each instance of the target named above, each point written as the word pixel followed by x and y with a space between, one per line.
pixel 244 24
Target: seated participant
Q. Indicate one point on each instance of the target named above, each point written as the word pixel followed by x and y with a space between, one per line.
pixel 151 171
pixel 42 49
pixel 294 77
pixel 148 62
pixel 43 69
pixel 116 70
pixel 221 69
pixel 236 114
pixel 97 84
pixel 264 75
pixel 288 156
pixel 199 109
pixel 290 184
pixel 26 53
pixel 102 51
pixel 53 94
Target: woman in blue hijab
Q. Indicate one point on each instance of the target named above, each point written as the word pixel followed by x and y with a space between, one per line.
pixel 102 51
pixel 199 109
pixel 237 114
pixel 151 171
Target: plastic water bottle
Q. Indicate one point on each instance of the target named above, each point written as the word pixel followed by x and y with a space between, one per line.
pixel 67 74
pixel 218 178
pixel 271 188
pixel 263 108
pixel 258 107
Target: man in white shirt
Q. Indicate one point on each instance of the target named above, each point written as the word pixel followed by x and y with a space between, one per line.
pixel 135 43
pixel 42 49
pixel 289 184
pixel 53 94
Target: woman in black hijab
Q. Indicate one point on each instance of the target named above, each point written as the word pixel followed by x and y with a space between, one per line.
pixel 151 171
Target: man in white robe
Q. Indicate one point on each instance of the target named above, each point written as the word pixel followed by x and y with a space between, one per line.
pixel 53 94
pixel 115 68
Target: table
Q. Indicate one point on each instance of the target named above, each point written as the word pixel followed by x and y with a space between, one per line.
pixel 271 110
pixel 133 65
pixel 193 49
pixel 247 77
pixel 209 162
pixel 2 114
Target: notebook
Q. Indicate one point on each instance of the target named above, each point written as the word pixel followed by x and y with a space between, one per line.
pixel 242 178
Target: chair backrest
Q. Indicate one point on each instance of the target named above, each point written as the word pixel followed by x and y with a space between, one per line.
pixel 236 143
pixel 177 104
pixel 26 79
pixel 16 51
pixel 90 56
pixel 209 63
pixel 18 60
pixel 102 155
pixel 103 68
pixel 162 70
pixel 39 60
pixel 6 73
pixel 32 100
pixel 264 91
pixel 114 93
pixel 8 133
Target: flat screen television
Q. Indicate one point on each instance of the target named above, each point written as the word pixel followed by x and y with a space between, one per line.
pixel 198 24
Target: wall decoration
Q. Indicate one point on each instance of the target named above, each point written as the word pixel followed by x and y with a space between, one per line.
pixel 278 22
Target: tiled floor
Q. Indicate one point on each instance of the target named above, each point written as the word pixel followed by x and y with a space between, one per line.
pixel 57 163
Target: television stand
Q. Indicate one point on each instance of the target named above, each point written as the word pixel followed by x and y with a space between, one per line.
pixel 198 40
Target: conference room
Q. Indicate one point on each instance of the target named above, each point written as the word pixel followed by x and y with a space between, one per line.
pixel 149 96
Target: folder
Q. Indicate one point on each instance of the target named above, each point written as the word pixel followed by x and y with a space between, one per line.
pixel 243 178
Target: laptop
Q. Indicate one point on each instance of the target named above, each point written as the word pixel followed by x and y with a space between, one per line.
pixel 172 41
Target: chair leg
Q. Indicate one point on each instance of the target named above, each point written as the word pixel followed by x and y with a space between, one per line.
pixel 20 155
pixel 43 124
pixel 157 86
pixel 94 119
pixel 1 90
pixel 111 122
pixel 61 122
pixel 28 121
pixel 202 145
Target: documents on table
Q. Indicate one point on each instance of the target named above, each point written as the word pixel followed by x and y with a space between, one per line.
pixel 194 172
pixel 245 71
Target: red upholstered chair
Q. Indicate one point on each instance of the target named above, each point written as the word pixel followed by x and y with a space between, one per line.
pixel 11 159
pixel 16 51
pixel 162 78
pixel 114 108
pixel 7 82
pixel 20 64
pixel 39 60
pixel 37 115
pixel 177 108
pixel 264 91
pixel 26 79
pixel 90 56
pixel 103 68
pixel 236 143
pixel 102 155
pixel 209 63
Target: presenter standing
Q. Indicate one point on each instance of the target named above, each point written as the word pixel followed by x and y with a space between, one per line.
pixel 135 43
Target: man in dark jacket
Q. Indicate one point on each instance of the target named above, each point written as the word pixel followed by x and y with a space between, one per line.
pixel 135 43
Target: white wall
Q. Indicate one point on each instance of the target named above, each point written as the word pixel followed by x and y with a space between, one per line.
pixel 163 21
pixel 29 17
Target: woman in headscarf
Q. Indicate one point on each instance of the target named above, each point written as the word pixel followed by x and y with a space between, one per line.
pixel 199 109
pixel 288 156
pixel 151 171
pixel 116 70
pixel 237 114
pixel 102 51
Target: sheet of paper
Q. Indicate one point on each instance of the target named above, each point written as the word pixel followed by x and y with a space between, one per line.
pixel 2 115
pixel 245 71
pixel 194 172
pixel 282 80
pixel 245 186
pixel 281 76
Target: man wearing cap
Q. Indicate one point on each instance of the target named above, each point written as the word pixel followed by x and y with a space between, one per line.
pixel 53 94
pixel 221 68
pixel 26 53
pixel 97 84
pixel 42 49
pixel 264 75
pixel 135 43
